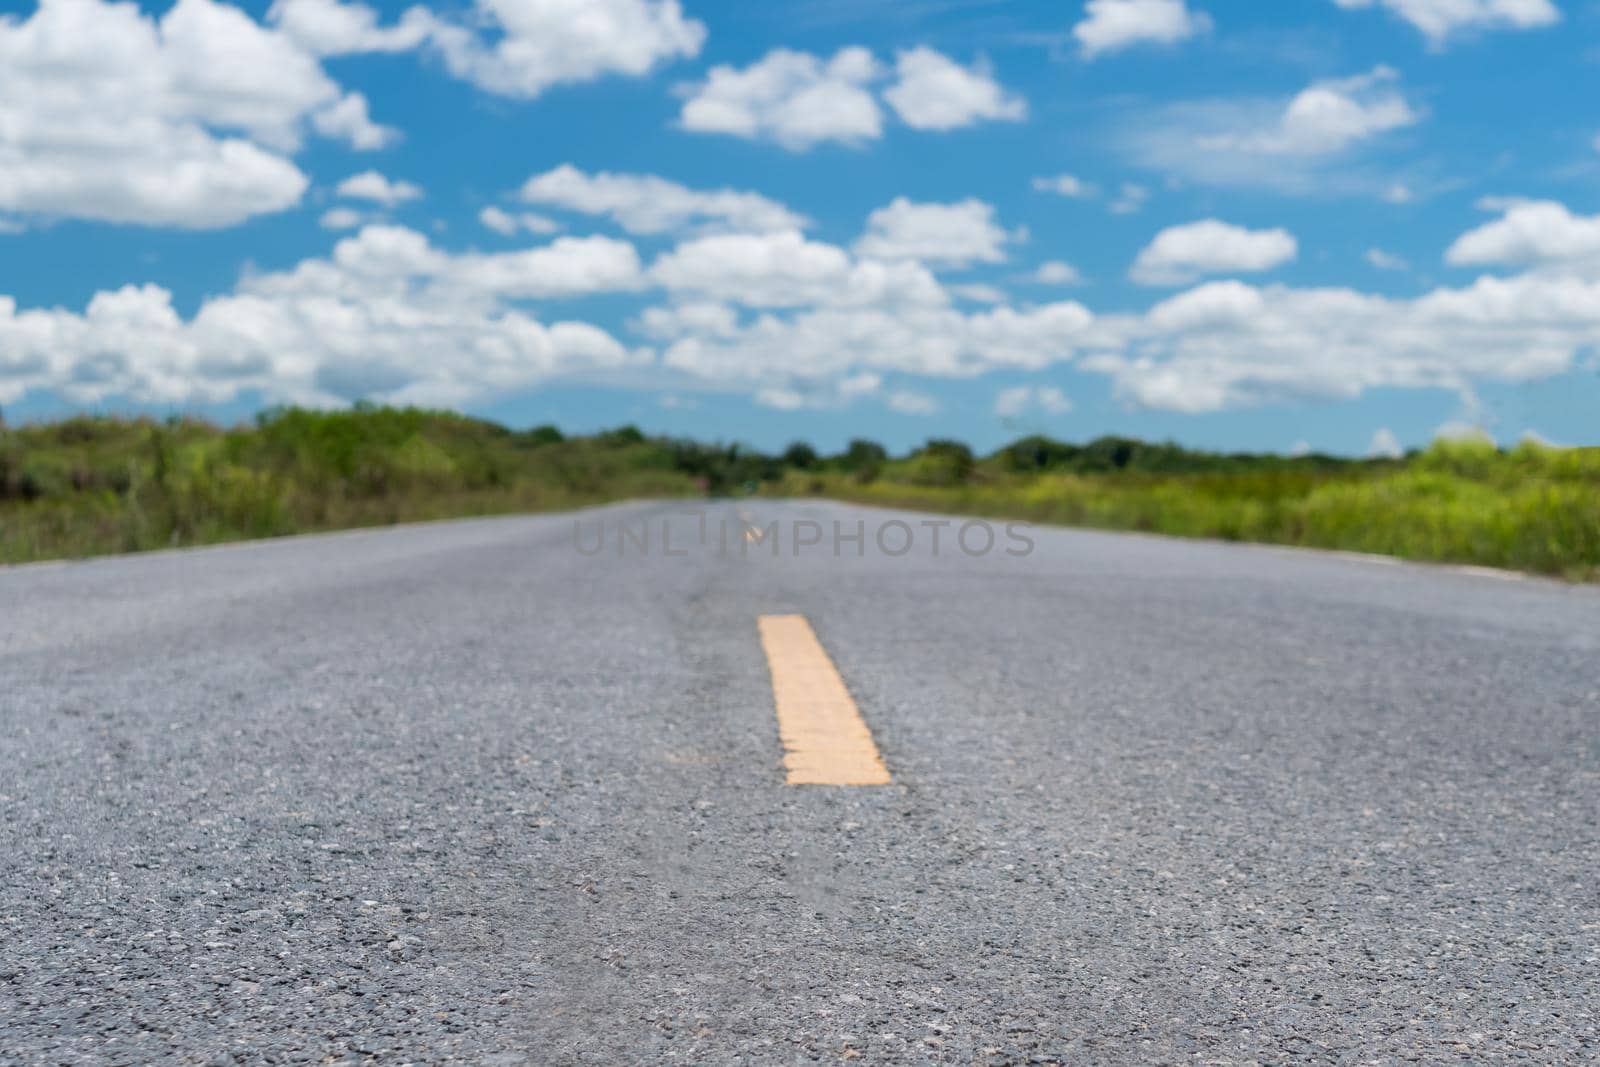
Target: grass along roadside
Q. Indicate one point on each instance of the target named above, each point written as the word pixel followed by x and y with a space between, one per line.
pixel 89 486
pixel 1532 509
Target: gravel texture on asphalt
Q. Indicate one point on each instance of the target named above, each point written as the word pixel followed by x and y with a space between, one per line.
pixel 461 793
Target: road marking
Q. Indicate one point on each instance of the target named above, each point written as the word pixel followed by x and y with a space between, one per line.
pixel 825 740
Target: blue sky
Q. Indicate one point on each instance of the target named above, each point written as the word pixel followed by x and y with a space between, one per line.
pixel 1334 224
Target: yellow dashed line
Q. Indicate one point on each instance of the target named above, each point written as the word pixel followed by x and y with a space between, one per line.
pixel 825 741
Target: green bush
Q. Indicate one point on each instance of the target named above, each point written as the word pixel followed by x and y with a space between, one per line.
pixel 85 485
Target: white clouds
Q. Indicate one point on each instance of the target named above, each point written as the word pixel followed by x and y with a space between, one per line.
pixel 107 114
pixel 341 218
pixel 506 224
pixel 704 319
pixel 348 120
pixel 1112 25
pixel 373 187
pixel 1398 193
pixel 785 270
pixel 1064 185
pixel 1021 399
pixel 1013 402
pixel 909 402
pixel 499 220
pixel 844 391
pixel 1440 19
pixel 1298 145
pixel 645 204
pixel 800 100
pixel 543 43
pixel 387 316
pixel 1182 254
pixel 568 266
pixel 1329 117
pixel 1226 344
pixel 822 317
pixel 979 292
pixel 952 235
pixel 780 399
pixel 793 98
pixel 332 28
pixel 1055 272
pixel 218 67
pixel 1130 199
pixel 399 262
pixel 858 385
pixel 370 185
pixel 933 92
pixel 1386 260
pixel 1385 445
pixel 1537 233
pixel 391 316
pixel 822 345
pixel 514 48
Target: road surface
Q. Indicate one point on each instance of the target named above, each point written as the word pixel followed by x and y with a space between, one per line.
pixel 462 792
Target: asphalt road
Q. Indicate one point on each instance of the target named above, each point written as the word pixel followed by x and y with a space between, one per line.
pixel 459 792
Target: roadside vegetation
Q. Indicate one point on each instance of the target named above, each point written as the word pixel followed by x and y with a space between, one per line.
pixel 86 486
pixel 1531 508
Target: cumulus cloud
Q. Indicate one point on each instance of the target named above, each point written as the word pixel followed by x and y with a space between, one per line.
pixel 794 98
pixel 909 402
pixel 333 28
pixel 801 100
pixel 370 185
pixel 189 120
pixel 825 344
pixel 536 44
pixel 386 316
pixel 705 318
pixel 1383 260
pixel 951 235
pixel 646 204
pixel 514 48
pixel 349 120
pixel 1292 145
pixel 1182 254
pixel 934 92
pixel 819 316
pixel 341 218
pixel 780 399
pixel 506 224
pixel 1439 20
pixel 1385 445
pixel 1227 344
pixel 784 269
pixel 1021 399
pixel 1328 117
pixel 815 396
pixel 391 316
pixel 1112 25
pixel 979 292
pixel 1055 272
pixel 1539 233
pixel 1064 185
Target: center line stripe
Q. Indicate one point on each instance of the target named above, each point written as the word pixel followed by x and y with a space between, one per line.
pixel 825 741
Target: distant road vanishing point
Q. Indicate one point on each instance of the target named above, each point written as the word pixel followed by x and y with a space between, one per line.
pixel 483 792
